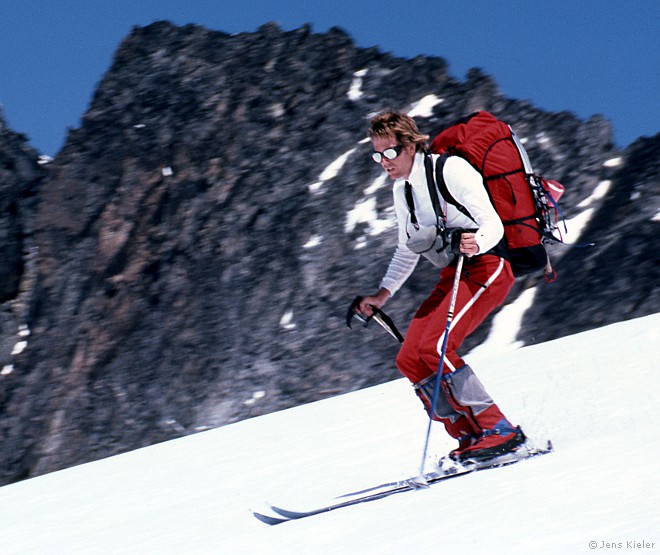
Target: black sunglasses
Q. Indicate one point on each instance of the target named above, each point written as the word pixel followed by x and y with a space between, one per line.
pixel 390 153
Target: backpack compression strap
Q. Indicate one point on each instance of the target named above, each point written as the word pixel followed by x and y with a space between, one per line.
pixel 440 180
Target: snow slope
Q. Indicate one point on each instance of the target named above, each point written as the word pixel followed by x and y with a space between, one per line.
pixel 595 394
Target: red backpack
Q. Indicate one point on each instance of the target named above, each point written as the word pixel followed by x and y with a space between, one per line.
pixel 526 202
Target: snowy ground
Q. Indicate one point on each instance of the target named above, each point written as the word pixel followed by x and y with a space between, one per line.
pixel 595 394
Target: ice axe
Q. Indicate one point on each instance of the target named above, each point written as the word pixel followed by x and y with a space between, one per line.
pixel 377 315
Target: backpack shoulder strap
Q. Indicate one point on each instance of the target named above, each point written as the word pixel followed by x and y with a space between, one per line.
pixel 442 186
pixel 433 190
pixel 500 249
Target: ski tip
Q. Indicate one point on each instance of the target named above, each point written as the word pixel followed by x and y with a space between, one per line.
pixel 268 519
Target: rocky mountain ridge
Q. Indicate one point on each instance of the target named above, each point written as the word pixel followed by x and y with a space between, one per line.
pixel 187 259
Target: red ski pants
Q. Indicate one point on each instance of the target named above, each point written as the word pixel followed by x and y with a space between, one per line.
pixel 485 282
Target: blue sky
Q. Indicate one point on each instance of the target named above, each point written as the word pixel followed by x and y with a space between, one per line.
pixel 585 56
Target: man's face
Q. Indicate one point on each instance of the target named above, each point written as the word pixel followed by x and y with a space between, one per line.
pixel 399 166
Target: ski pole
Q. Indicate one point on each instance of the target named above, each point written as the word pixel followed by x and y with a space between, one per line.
pixel 438 376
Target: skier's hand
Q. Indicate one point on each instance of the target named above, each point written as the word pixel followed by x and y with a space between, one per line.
pixel 468 245
pixel 367 304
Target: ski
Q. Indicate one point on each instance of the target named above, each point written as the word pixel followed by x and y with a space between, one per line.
pixel 391 488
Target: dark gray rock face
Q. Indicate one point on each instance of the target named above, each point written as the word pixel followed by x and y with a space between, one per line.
pixel 19 175
pixel 201 236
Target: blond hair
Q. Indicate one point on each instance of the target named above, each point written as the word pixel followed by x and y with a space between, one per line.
pixel 400 126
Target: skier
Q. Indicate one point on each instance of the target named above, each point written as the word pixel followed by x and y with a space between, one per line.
pixel 463 405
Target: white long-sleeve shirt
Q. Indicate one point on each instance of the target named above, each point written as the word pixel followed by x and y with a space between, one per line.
pixel 466 185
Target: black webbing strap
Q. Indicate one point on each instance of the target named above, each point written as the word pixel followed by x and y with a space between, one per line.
pixel 411 203
pixel 430 182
